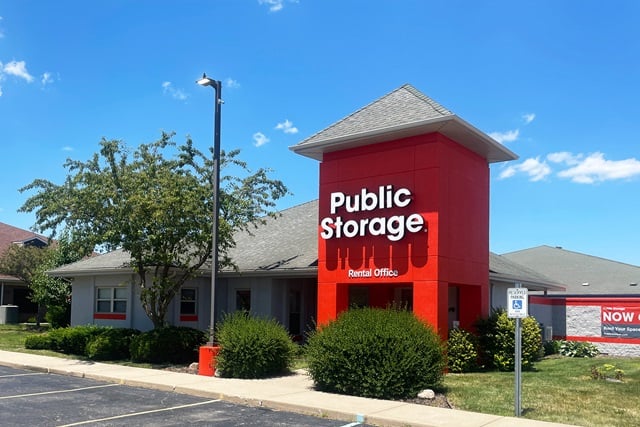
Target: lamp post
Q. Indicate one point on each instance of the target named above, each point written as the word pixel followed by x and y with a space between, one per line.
pixel 217 87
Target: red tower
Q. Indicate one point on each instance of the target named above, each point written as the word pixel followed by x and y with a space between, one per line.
pixel 404 210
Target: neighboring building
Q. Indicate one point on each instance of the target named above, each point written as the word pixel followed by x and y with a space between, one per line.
pixel 601 303
pixel 13 291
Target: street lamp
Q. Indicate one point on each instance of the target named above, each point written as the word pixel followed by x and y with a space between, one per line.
pixel 217 87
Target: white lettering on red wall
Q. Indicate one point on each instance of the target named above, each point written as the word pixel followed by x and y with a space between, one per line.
pixel 394 227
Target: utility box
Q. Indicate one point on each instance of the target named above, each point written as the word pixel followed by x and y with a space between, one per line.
pixel 8 314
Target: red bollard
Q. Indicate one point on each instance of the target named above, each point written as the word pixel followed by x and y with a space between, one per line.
pixel 207 359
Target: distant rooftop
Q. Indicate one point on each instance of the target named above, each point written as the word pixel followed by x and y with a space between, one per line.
pixel 582 274
pixel 401 113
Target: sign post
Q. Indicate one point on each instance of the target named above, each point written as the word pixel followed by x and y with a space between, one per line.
pixel 518 308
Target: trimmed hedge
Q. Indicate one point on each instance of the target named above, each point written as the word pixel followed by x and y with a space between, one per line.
pixel 111 344
pixel 94 342
pixel 38 342
pixel 74 340
pixel 169 344
pixel 379 353
pixel 252 347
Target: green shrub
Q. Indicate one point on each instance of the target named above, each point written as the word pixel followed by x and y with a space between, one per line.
pixel 252 347
pixel 380 353
pixel 578 349
pixel 462 353
pixel 497 341
pixel 74 340
pixel 39 342
pixel 58 316
pixel 169 344
pixel 111 344
pixel 551 347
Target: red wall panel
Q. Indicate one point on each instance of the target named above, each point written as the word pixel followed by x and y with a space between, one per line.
pixel 449 188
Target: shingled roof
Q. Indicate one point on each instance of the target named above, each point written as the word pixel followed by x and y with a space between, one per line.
pixel 401 113
pixel 287 246
pixel 581 273
pixel 506 270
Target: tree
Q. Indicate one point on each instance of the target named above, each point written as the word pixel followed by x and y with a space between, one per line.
pixel 31 263
pixel 24 262
pixel 158 209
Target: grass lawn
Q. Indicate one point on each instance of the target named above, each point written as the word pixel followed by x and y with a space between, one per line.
pixel 12 336
pixel 560 389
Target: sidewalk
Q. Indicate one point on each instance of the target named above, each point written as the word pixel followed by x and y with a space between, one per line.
pixel 293 393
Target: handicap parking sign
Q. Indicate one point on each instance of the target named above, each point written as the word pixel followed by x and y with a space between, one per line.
pixel 517 306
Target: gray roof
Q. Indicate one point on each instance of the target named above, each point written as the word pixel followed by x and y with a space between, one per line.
pixel 504 270
pixel 116 261
pixel 285 244
pixel 401 113
pixel 288 246
pixel 582 274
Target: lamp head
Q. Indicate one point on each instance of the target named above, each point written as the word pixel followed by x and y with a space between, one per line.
pixel 206 81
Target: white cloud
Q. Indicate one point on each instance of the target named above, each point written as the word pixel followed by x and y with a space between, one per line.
pixel 508 172
pixel 595 168
pixel 564 157
pixel 168 89
pixel 287 127
pixel 528 117
pixel 274 5
pixel 231 83
pixel 577 168
pixel 259 139
pixel 67 148
pixel 46 78
pixel 508 136
pixel 18 69
pixel 534 168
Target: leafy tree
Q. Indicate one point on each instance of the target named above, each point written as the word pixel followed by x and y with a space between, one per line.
pixel 155 207
pixel 31 263
pixel 24 262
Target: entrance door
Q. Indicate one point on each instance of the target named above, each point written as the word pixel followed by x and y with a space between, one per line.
pixel 454 317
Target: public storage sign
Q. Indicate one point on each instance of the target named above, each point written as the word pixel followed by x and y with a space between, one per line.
pixel 387 197
pixel 621 322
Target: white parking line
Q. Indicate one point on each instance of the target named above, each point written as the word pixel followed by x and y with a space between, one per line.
pixel 22 375
pixel 57 391
pixel 153 411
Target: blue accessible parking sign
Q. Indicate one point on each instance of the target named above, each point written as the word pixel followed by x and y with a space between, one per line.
pixel 517 307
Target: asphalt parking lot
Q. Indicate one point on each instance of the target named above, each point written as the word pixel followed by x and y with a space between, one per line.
pixel 41 399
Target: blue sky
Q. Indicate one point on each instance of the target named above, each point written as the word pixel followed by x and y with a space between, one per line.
pixel 556 82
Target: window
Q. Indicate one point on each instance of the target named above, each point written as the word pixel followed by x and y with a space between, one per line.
pixel 243 300
pixel 189 304
pixel 111 301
